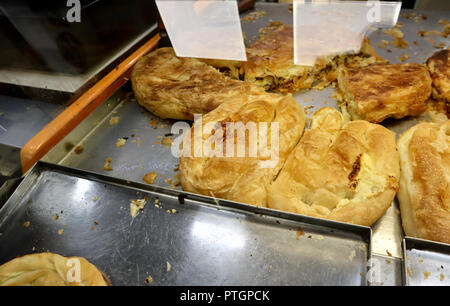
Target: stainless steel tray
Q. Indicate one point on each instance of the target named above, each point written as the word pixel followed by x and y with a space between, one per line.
pixel 425 263
pixel 143 153
pixel 187 240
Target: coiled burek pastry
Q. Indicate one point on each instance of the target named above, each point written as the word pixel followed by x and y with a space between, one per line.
pixel 48 269
pixel 341 171
pixel 177 88
pixel 243 179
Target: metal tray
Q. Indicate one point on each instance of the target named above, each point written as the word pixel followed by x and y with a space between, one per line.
pixel 143 153
pixel 187 240
pixel 425 263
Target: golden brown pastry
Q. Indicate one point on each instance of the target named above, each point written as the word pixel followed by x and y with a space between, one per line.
pixel 381 91
pixel 178 88
pixel 270 62
pixel 242 179
pixel 48 269
pixel 341 171
pixel 439 66
pixel 228 67
pixel 424 193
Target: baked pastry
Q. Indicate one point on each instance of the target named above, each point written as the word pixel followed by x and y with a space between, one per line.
pixel 424 193
pixel 439 67
pixel 177 88
pixel 270 62
pixel 340 171
pixel 381 91
pixel 48 269
pixel 241 176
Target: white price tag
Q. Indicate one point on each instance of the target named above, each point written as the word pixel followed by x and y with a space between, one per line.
pixel 204 28
pixel 326 28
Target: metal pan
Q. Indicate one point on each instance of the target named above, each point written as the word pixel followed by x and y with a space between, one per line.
pixel 187 240
pixel 425 263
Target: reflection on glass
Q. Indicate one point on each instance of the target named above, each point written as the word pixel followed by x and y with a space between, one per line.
pixel 327 28
pixel 217 234
pixel 203 29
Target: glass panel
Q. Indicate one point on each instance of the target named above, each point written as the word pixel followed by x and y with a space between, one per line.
pixel 326 28
pixel 204 29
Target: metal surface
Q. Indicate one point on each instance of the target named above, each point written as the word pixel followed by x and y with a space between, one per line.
pixel 21 119
pixel 9 162
pixel 193 241
pixel 388 271
pixel 7 187
pixel 143 153
pixel 425 263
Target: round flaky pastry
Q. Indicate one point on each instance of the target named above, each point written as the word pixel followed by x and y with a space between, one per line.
pixel 341 171
pixel 278 123
pixel 48 269
pixel 177 88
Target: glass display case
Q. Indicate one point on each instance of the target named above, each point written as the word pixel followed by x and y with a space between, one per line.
pixel 74 136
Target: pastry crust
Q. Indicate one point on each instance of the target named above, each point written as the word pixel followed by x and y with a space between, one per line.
pixel 381 91
pixel 270 62
pixel 178 88
pixel 48 269
pixel 340 171
pixel 243 179
pixel 424 193
pixel 439 67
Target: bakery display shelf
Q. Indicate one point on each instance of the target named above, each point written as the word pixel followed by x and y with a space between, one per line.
pixel 425 263
pixel 90 144
pixel 177 238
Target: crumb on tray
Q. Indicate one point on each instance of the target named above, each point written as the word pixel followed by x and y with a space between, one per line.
pixel 114 120
pixel 352 255
pixel 299 233
pixel 148 280
pixel 153 123
pixel 167 141
pixel 404 57
pixel 120 142
pixel 107 165
pixel 397 34
pixel 150 177
pixel 253 16
pixel 409 272
pixel 78 149
pixel 136 205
